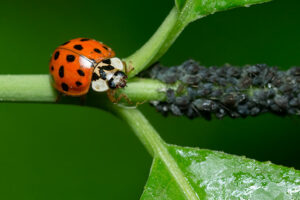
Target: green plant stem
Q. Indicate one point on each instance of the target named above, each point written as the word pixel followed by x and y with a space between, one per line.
pixel 34 88
pixel 155 146
pixel 142 89
pixel 38 88
pixel 158 44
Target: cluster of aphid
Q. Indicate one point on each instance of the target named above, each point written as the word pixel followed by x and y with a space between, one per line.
pixel 227 90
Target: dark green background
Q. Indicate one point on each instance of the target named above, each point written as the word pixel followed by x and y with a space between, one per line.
pixel 71 152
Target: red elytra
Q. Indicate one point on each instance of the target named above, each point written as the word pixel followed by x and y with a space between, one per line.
pixel 73 62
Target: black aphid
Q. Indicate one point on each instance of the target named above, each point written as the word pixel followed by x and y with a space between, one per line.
pixel 228 90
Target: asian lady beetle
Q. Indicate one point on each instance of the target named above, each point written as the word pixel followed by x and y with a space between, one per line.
pixel 78 62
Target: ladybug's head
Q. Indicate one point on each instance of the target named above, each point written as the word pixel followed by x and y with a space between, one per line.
pixel 120 79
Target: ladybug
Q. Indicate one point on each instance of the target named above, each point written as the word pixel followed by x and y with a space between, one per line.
pixel 81 62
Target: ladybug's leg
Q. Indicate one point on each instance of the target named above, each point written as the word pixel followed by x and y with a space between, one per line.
pixel 112 98
pixel 129 68
pixel 82 100
pixel 58 97
pixel 140 103
pixel 125 97
pixel 111 95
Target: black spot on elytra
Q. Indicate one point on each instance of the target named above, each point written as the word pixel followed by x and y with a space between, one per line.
pixel 105 47
pixel 65 87
pixel 95 77
pixel 70 58
pixel 56 55
pixel 67 42
pixel 108 67
pixel 80 72
pixel 84 39
pixel 111 84
pixel 107 61
pixel 102 74
pixel 61 71
pixel 97 50
pixel 52 68
pixel 78 83
pixel 78 47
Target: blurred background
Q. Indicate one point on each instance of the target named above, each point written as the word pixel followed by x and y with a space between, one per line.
pixel 57 152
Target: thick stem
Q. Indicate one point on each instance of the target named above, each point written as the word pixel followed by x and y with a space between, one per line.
pixel 143 89
pixel 34 88
pixel 38 88
pixel 158 44
pixel 155 146
pixel 141 127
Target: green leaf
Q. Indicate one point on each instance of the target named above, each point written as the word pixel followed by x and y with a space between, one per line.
pixel 194 9
pixel 216 175
pixel 193 174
